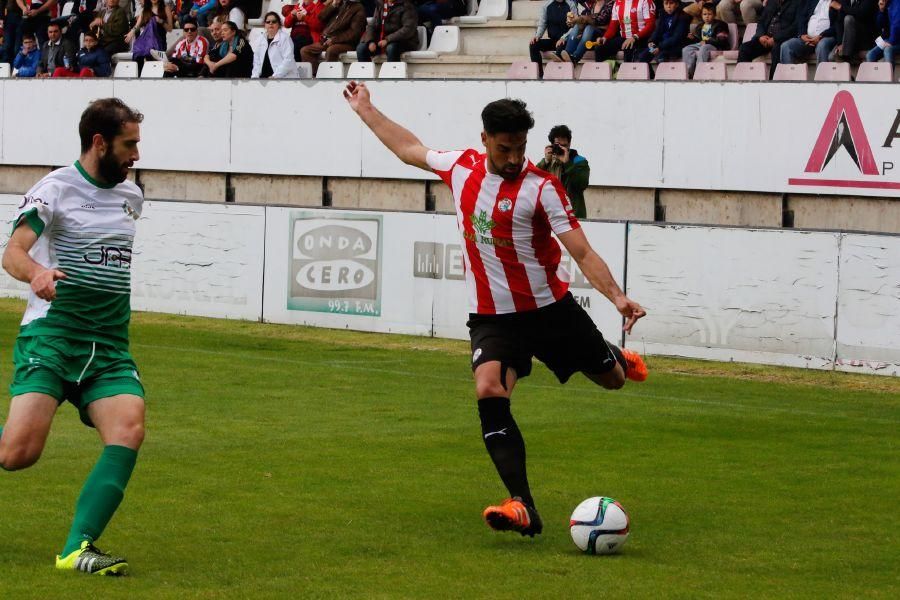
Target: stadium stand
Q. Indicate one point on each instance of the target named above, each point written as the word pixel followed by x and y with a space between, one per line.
pixel 633 72
pixel 785 72
pixel 393 70
pixel 710 71
pixel 750 71
pixel 559 70
pixel 330 70
pixel 875 72
pixel 361 70
pixel 125 69
pixel 595 71
pixel 522 69
pixel 152 69
pixel 832 72
pixel 671 71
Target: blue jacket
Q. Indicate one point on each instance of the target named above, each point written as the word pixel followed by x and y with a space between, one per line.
pixel 96 59
pixel 27 65
pixel 671 30
pixel 805 13
pixel 889 23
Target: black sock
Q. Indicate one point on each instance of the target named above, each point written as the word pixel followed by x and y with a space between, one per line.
pixel 618 354
pixel 504 443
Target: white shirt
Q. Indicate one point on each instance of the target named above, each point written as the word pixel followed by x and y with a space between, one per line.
pixel 819 21
pixel 281 56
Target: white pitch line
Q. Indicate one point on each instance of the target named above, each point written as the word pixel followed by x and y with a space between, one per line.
pixel 351 366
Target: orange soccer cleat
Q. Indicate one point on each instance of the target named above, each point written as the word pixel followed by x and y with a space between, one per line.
pixel 514 515
pixel 637 370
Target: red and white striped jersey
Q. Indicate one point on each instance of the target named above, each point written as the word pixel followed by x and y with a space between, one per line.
pixel 195 51
pixel 511 258
pixel 632 18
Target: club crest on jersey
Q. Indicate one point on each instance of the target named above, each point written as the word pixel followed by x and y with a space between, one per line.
pixel 129 211
pixel 504 205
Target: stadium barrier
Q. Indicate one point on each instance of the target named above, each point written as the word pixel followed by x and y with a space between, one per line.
pixel 824 300
pixel 748 137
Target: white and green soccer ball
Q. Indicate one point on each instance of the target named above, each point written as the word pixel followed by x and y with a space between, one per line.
pixel 599 525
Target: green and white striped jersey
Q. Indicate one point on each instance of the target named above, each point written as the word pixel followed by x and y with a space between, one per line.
pixel 86 230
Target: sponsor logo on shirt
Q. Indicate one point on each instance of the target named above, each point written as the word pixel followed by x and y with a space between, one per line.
pixel 27 200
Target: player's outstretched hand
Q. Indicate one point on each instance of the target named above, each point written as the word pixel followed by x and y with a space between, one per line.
pixel 357 95
pixel 631 310
pixel 44 283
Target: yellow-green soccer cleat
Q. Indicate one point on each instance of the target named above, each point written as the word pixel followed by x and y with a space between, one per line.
pixel 93 561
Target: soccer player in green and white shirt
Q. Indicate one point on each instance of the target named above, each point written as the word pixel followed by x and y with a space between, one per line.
pixel 72 241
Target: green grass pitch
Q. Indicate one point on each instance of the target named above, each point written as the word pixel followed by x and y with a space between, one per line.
pixel 284 462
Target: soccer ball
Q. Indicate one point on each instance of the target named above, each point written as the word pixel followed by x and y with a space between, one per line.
pixel 599 525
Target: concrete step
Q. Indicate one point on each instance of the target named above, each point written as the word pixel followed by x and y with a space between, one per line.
pixel 527 10
pixel 496 38
pixel 461 67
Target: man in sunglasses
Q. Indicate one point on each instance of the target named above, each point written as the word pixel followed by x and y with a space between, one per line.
pixel 186 60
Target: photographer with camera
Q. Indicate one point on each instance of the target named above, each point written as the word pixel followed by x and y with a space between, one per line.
pixel 572 169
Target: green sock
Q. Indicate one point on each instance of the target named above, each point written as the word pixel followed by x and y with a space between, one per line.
pixel 100 497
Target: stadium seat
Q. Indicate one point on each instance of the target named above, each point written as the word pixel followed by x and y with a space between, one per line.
pixel 330 70
pixel 392 70
pixel 254 34
pixel 595 71
pixel 423 37
pixel 710 71
pixel 522 69
pixel 152 69
pixel 305 70
pixel 488 10
pixel 734 40
pixel 444 40
pixel 5 71
pixel 832 71
pixel 173 38
pixel 732 54
pixel 785 72
pixel 671 71
pixel 750 71
pixel 122 57
pixel 559 70
pixel 126 69
pixel 67 9
pixel 633 72
pixel 361 70
pixel 875 72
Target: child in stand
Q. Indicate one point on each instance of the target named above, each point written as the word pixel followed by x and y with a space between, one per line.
pixel 712 34
pixel 670 35
pixel 27 59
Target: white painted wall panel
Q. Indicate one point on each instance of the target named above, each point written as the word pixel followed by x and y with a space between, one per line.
pixel 9 287
pixel 735 294
pixel 199 259
pixel 180 133
pixel 868 334
pixel 40 119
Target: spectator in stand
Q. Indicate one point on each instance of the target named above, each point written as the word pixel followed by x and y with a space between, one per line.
pixel 670 35
pixel 186 60
pixel 553 21
pixel 888 41
pixel 303 21
pixel 345 22
pixel 749 11
pixel 568 166
pixel 229 10
pixel 232 57
pixel 79 20
pixel 12 31
pixel 36 17
pixel 630 28
pixel 149 31
pixel 693 8
pixel 112 22
pixel 433 13
pixel 26 61
pixel 712 34
pixel 776 26
pixel 393 31
pixel 585 28
pixel 56 52
pixel 91 61
pixel 816 22
pixel 273 53
pixel 202 10
pixel 855 30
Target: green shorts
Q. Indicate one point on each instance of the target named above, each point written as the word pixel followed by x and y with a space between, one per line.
pixel 73 370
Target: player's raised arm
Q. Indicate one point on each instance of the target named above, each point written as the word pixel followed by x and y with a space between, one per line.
pixel 398 140
pixel 597 273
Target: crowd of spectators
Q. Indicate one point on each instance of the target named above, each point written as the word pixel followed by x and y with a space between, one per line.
pixel 653 31
pixel 214 40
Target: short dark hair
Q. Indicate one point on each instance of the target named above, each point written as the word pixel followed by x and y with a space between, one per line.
pixel 52 24
pixel 506 116
pixel 560 131
pixel 28 36
pixel 272 13
pixel 89 33
pixel 106 116
pixel 189 20
pixel 708 6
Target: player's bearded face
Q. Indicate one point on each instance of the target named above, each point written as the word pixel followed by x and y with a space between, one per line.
pixel 506 153
pixel 120 154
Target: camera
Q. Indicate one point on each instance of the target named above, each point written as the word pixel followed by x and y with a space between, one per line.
pixel 557 150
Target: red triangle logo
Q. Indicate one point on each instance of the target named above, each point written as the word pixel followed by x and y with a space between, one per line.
pixel 843 129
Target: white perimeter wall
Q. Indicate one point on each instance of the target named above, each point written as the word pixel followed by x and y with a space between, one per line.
pixel 811 299
pixel 690 135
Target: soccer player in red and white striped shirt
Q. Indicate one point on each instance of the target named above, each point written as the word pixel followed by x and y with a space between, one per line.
pixel 508 211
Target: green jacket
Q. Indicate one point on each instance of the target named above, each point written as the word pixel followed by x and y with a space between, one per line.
pixel 574 177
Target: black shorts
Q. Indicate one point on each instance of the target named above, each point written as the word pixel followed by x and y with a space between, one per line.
pixel 561 335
